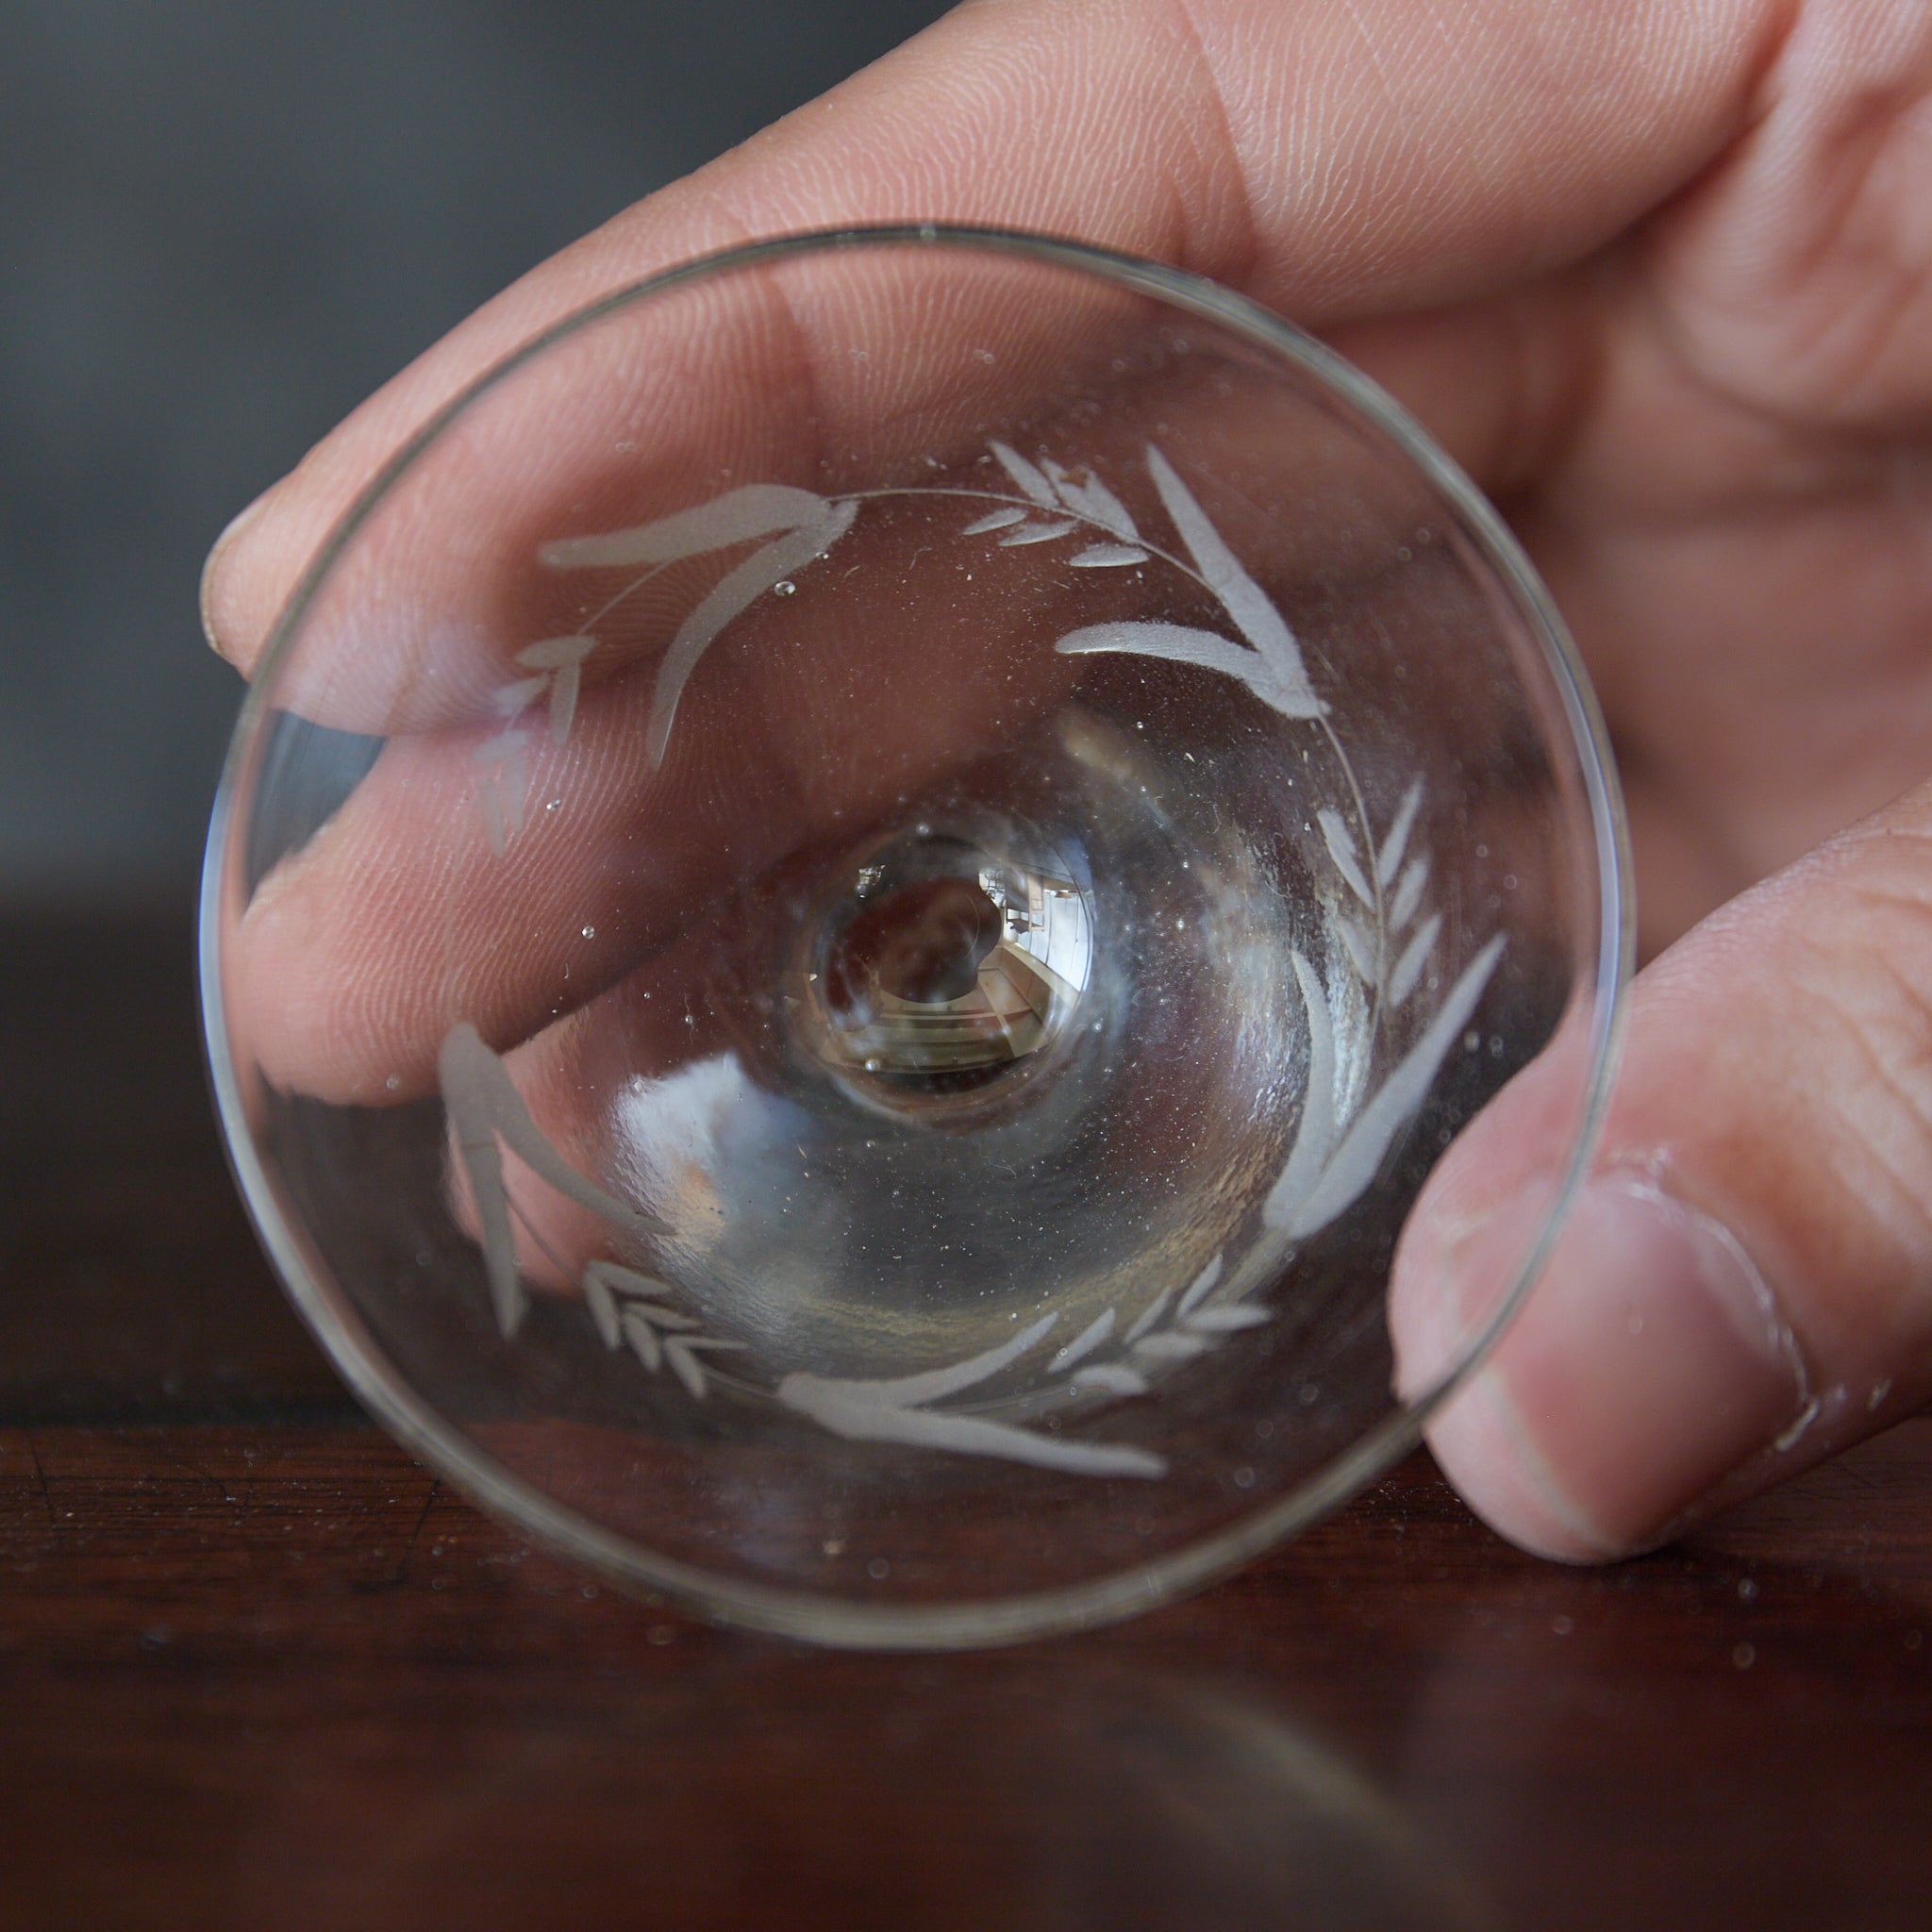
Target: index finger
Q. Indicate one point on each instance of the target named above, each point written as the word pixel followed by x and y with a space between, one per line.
pixel 1331 167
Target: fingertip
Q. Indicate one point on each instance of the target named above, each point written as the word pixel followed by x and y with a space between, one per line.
pixel 1481 1445
pixel 1465 1248
pixel 220 619
pixel 1647 1364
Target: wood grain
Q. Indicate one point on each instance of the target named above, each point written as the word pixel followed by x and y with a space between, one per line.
pixel 259 1669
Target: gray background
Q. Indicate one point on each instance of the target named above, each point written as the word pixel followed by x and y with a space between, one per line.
pixel 222 223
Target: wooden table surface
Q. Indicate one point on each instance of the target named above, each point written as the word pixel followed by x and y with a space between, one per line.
pixel 260 1669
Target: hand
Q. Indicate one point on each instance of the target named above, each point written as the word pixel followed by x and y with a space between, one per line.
pixel 1661 276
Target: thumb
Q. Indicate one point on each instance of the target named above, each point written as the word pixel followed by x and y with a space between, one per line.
pixel 1745 1284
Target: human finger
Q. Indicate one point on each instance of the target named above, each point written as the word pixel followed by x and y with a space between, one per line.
pixel 1333 167
pixel 1745 1284
pixel 411 908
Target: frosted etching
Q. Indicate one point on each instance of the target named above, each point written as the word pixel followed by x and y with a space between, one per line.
pixel 1381 943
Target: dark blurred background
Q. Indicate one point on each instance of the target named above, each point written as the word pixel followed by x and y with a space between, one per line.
pixel 222 223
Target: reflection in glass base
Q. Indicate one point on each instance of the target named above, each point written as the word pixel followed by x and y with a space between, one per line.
pixel 944 961
pixel 1080 1116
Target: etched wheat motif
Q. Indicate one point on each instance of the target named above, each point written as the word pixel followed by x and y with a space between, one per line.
pixel 1383 936
pixel 1387 893
pixel 801 526
pixel 1167 1330
pixel 487 1114
pixel 629 1308
pixel 1270 662
pixel 899 1410
pixel 1335 1155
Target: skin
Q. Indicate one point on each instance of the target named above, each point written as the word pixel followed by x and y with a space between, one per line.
pixel 1660 278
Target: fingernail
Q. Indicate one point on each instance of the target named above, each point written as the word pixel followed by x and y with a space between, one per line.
pixel 1647 1363
pixel 223 544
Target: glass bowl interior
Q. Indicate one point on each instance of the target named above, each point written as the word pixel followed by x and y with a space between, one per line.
pixel 852 904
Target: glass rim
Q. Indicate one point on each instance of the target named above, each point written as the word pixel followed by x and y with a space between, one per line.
pixel 969 1623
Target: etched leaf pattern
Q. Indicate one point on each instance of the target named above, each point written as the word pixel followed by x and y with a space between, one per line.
pixel 1166 1331
pixel 1407 969
pixel 487 1114
pixel 505 786
pixel 758 509
pixel 1409 890
pixel 1032 482
pixel 1382 933
pixel 1395 840
pixel 1340 844
pixel 1284 680
pixel 1376 926
pixel 804 526
pixel 1039 533
pixel 1178 643
pixel 1088 497
pixel 1269 663
pixel 1332 1162
pixel 628 1307
pixel 1059 502
pixel 997 519
pixel 734 593
pixel 899 1410
pixel 1054 502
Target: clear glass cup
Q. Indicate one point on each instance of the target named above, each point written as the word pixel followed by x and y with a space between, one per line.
pixel 851 905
